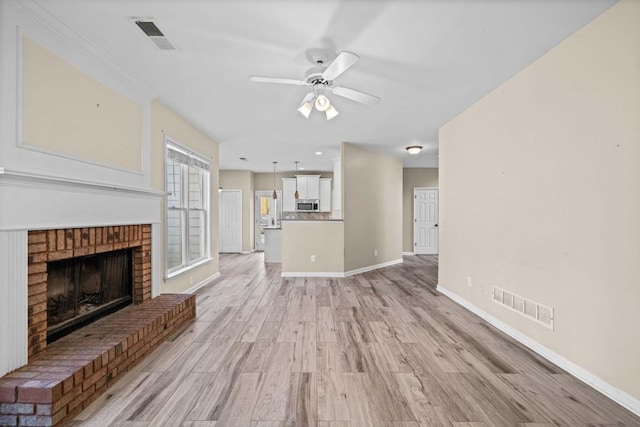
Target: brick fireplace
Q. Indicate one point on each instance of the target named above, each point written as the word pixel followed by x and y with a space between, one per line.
pixel 62 378
pixel 53 245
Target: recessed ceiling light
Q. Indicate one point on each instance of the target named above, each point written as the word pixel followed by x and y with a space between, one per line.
pixel 301 169
pixel 318 153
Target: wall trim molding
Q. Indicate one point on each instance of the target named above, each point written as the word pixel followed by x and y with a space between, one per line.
pixel 408 253
pixel 613 393
pixel 202 283
pixel 50 182
pixel 341 274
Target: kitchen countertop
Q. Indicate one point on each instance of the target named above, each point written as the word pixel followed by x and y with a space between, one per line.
pixel 309 220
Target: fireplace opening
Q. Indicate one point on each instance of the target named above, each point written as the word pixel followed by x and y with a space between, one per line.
pixel 81 290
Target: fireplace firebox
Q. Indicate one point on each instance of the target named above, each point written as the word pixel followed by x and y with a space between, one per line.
pixel 83 289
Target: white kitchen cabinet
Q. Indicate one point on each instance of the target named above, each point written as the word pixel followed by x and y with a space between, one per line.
pixel 288 191
pixel 308 186
pixel 325 194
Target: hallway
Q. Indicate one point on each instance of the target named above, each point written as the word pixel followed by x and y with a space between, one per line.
pixel 381 348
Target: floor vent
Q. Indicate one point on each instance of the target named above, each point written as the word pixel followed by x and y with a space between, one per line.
pixel 157 37
pixel 526 307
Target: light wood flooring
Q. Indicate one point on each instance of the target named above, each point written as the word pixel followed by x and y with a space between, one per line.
pixel 377 349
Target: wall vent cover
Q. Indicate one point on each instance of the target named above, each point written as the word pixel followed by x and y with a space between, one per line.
pixel 524 306
pixel 155 35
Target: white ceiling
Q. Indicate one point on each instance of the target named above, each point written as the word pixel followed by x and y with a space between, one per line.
pixel 427 60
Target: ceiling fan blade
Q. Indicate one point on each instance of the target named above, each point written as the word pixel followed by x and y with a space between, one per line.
pixel 355 95
pixel 339 65
pixel 260 79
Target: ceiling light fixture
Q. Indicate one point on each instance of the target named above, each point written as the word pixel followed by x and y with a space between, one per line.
pixel 331 112
pixel 414 149
pixel 320 102
pixel 307 105
pixel 318 153
pixel 275 195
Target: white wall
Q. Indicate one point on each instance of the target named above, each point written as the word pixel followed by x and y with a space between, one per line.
pixel 540 195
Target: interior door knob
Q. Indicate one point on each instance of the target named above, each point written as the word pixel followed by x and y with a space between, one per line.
pixel 436 225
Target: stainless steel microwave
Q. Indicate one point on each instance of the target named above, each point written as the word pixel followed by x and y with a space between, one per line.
pixel 307 205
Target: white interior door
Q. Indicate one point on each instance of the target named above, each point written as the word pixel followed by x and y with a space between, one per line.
pixel 231 221
pixel 268 213
pixel 425 221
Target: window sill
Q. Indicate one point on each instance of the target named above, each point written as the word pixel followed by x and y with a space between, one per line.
pixel 187 268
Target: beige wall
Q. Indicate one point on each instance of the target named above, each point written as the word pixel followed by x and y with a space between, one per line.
pixel 166 122
pixel 65 111
pixel 413 178
pixel 540 194
pixel 372 207
pixel 324 239
pixel 243 180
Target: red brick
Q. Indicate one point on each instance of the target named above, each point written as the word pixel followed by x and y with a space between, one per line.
pixel 40 391
pixel 37 237
pixel 37 247
pixel 58 255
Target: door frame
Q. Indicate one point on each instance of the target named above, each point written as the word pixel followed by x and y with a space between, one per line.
pixel 413 223
pixel 256 216
pixel 229 190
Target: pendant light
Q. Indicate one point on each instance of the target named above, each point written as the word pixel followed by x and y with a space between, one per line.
pixel 296 195
pixel 275 195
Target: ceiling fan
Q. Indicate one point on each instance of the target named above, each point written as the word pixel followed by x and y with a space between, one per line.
pixel 321 78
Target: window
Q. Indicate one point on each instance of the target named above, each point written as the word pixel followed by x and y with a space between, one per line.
pixel 187 208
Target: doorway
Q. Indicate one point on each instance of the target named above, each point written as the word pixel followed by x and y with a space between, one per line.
pixel 231 221
pixel 425 221
pixel 268 213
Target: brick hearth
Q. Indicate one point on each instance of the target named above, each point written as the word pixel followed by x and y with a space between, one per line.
pixel 76 369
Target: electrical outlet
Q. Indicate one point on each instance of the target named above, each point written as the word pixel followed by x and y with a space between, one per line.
pixel 313 258
pixel 375 252
pixel 469 283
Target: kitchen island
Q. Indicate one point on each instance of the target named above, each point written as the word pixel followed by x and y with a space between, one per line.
pixel 272 244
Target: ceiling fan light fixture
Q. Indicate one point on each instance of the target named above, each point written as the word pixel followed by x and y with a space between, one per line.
pixel 414 149
pixel 306 105
pixel 331 112
pixel 322 103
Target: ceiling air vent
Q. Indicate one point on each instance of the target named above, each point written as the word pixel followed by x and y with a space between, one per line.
pixel 154 34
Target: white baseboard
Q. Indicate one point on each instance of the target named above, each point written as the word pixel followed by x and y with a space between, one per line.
pixel 617 395
pixel 248 252
pixel 408 253
pixel 194 288
pixel 311 274
pixel 340 274
pixel 373 267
